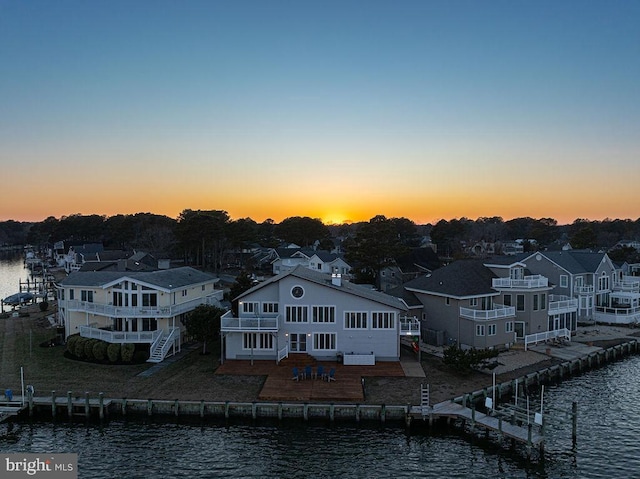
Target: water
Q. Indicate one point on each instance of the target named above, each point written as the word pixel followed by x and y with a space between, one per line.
pixel 12 271
pixel 607 445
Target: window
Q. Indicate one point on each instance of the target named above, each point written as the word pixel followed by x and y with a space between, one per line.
pixel 535 302
pixel 184 293
pixel 520 302
pixel 203 287
pixel 70 294
pixel 516 273
pixel 323 314
pixel 149 324
pixel 319 266
pixel 149 299
pixel 86 296
pixel 324 341
pixel 355 320
pixel 543 301
pixel 296 314
pixel 447 301
pixel 508 327
pixel 579 281
pixel 249 307
pixel 603 283
pixel 269 308
pixel 479 329
pixel 473 302
pixel 297 292
pixel 257 341
pixel 383 320
pixel 564 280
pixel 491 329
pixel 507 300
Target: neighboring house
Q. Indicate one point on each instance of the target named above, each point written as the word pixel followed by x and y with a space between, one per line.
pixel 134 307
pixel 79 254
pixel 286 259
pixel 487 304
pixel 417 262
pixel 302 311
pixel 604 292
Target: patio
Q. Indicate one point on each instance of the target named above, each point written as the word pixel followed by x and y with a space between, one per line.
pixel 279 385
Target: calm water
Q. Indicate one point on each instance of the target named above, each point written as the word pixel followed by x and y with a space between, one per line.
pixel 607 446
pixel 12 271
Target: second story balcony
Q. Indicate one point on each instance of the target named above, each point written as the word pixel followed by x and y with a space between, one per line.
pixel 497 312
pixel 249 323
pixel 140 311
pixel 628 283
pixel 584 289
pixel 559 304
pixel 409 326
pixel 527 282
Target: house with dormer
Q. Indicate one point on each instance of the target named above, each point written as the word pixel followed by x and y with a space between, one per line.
pixel 305 312
pixel 140 307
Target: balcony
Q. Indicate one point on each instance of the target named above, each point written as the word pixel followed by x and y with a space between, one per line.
pixel 120 336
pixel 588 289
pixel 560 304
pixel 249 324
pixel 629 315
pixel 528 282
pixel 409 326
pixel 628 283
pixel 498 312
pixel 140 311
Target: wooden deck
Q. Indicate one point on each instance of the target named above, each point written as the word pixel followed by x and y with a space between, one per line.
pixel 280 386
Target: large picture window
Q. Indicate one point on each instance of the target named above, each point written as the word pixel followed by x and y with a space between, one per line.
pixel 86 296
pixel 383 320
pixel 324 341
pixel 323 314
pixel 296 314
pixel 355 320
pixel 254 341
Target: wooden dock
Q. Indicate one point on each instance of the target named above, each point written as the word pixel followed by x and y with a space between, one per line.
pixel 10 409
pixel 526 433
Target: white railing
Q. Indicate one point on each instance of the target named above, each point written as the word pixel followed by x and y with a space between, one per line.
pixel 409 326
pixel 257 323
pixel 139 311
pixel 120 336
pixel 588 289
pixel 174 336
pixel 498 312
pixel 535 281
pixel 154 345
pixel 546 336
pixel 617 315
pixel 283 353
pixel 628 283
pixel 559 304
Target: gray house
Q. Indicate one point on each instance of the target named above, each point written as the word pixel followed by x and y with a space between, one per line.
pixel 489 303
pixel 302 311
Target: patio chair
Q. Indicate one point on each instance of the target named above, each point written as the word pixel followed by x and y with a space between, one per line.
pixel 307 372
pixel 320 372
pixel 332 375
pixel 296 374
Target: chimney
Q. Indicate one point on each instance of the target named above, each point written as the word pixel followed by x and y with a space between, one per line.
pixel 336 279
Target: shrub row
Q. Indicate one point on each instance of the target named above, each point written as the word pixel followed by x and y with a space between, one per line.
pixel 88 349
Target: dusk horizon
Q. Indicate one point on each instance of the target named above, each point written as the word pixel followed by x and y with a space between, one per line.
pixel 336 111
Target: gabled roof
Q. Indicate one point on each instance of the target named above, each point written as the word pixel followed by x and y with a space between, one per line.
pixel 166 279
pixel 462 278
pixel 324 279
pixel 575 262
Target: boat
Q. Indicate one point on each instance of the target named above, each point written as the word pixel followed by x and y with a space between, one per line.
pixel 18 299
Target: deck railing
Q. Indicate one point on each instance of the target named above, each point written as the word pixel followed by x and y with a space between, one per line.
pixel 120 336
pixel 535 338
pixel 559 304
pixel 535 281
pixel 257 323
pixel 498 312
pixel 409 326
pixel 605 314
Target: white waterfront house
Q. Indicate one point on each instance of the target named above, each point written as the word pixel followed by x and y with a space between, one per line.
pixel 302 311
pixel 134 306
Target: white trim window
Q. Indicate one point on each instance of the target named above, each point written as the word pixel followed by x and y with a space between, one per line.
pixel 250 307
pixel 473 302
pixel 296 314
pixel 479 329
pixel 258 341
pixel 269 308
pixel 86 295
pixel 564 281
pixel 355 320
pixel 323 314
pixel 324 341
pixel 491 329
pixel 508 327
pixel 383 320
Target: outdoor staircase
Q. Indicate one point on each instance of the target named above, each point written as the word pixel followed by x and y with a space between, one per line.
pixel 157 356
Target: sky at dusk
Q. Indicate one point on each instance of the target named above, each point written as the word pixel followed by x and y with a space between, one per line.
pixel 338 110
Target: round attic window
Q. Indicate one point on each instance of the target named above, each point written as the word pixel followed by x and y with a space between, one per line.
pixel 297 292
pixel 538 257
